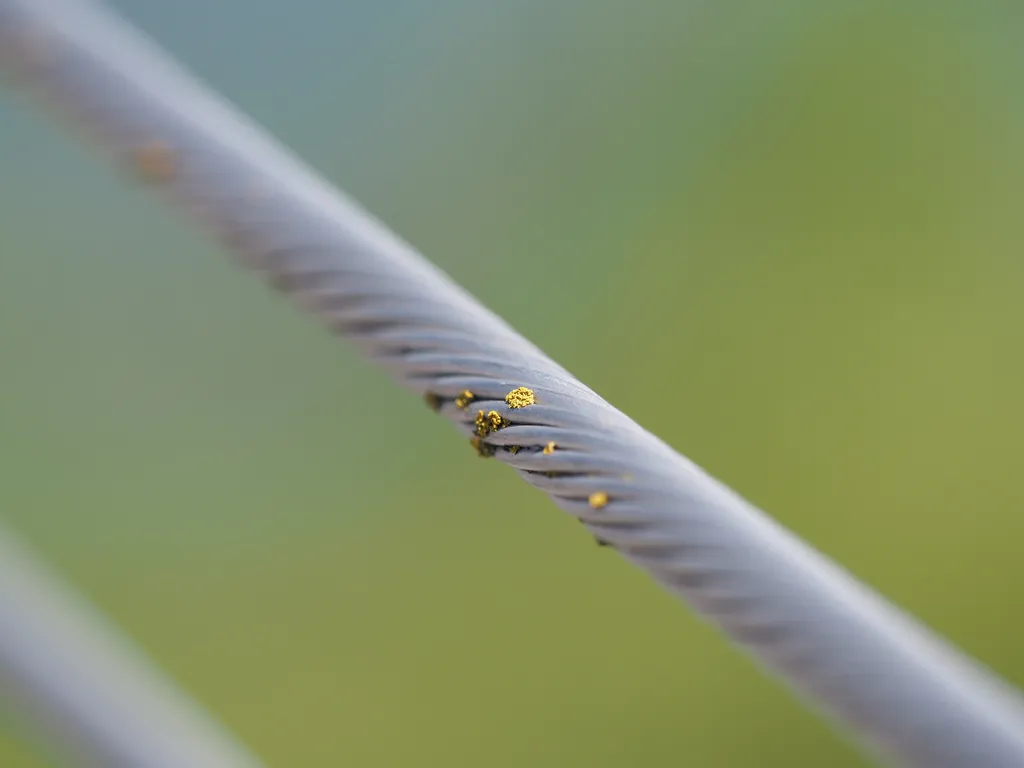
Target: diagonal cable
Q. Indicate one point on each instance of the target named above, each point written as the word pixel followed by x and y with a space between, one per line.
pixel 894 686
pixel 78 682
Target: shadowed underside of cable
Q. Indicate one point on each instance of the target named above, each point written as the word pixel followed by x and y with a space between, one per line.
pixel 898 689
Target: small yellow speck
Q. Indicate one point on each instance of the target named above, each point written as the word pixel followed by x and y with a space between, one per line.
pixel 598 499
pixel 432 400
pixel 549 448
pixel 464 399
pixel 156 160
pixel 520 397
pixel 514 449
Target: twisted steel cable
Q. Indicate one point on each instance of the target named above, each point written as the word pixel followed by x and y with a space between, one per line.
pixel 74 677
pixel 902 692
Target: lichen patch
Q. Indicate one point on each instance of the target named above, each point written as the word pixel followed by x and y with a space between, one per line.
pixel 488 422
pixel 520 397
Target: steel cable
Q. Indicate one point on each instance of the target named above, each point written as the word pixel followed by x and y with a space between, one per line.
pixel 892 684
pixel 73 676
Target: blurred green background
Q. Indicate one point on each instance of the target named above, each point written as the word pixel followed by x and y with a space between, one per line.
pixel 786 237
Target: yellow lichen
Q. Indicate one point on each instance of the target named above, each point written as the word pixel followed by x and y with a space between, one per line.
pixel 483 450
pixel 514 449
pixel 480 423
pixel 488 422
pixel 598 499
pixel 464 399
pixel 520 397
pixel 549 448
pixel 156 160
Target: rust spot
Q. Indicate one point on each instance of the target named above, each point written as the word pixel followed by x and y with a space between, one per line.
pixel 520 397
pixel 156 161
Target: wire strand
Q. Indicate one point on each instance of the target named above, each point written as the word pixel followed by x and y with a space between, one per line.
pixel 78 682
pixel 903 692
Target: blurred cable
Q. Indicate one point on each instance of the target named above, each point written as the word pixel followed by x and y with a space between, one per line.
pixel 894 686
pixel 80 685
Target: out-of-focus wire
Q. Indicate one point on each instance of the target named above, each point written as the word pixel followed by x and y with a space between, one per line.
pixel 85 689
pixel 893 685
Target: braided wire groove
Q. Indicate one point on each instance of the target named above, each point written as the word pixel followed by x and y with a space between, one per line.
pixel 901 691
